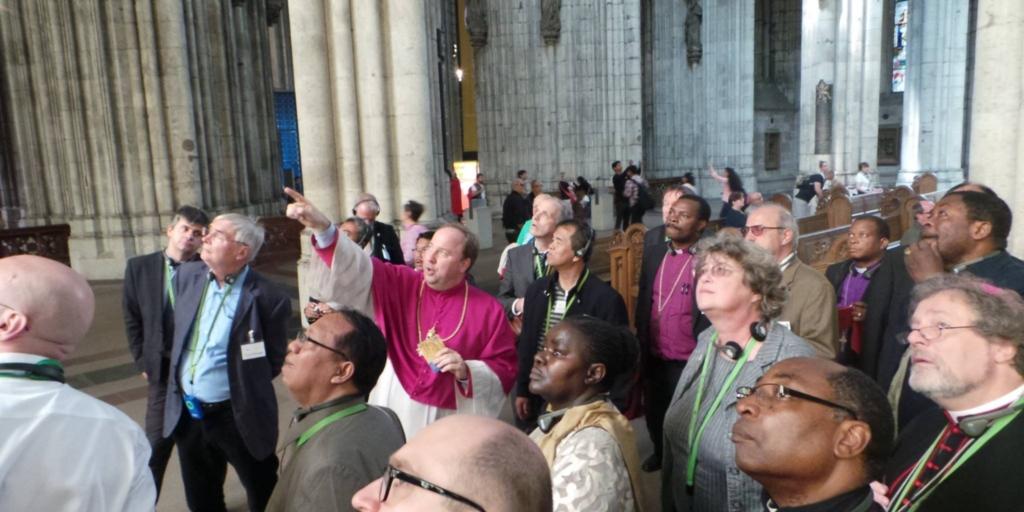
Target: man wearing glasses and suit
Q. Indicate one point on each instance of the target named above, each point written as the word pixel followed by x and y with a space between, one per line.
pixel 229 344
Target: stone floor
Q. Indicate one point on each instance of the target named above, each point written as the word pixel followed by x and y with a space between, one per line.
pixel 102 367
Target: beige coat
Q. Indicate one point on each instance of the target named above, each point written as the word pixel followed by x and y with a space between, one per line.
pixel 810 308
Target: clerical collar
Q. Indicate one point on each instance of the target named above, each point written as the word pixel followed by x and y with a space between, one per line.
pixel 963 266
pixel 784 264
pixel 865 272
pixel 692 249
pixel 301 413
pixel 857 500
pixel 998 403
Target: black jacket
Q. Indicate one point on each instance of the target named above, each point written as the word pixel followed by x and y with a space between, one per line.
pixel 655 249
pixel 983 482
pixel 148 317
pixel 878 297
pixel 384 236
pixel 595 298
pixel 515 211
pixel 265 310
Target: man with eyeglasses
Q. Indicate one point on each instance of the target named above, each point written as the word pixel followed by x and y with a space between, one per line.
pixel 463 462
pixel 965 347
pixel 450 348
pixel 865 285
pixel 149 320
pixel 813 433
pixel 336 443
pixel 229 343
pixel 809 311
pixel 569 290
pixel 967 234
pixel 60 449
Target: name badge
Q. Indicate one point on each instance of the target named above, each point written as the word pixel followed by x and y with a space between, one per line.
pixel 253 350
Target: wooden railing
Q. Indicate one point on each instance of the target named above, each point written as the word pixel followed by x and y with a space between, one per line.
pixel 46 241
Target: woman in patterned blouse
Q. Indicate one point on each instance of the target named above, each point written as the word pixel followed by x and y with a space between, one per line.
pixel 587 442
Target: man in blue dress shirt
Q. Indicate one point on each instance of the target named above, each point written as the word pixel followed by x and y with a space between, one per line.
pixel 229 344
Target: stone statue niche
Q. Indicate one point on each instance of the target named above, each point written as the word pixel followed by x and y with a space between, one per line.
pixel 823 118
pixel 550 20
pixel 694 17
pixel 476 22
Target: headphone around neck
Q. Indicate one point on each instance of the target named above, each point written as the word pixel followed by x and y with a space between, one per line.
pixel 975 426
pixel 733 350
pixel 582 252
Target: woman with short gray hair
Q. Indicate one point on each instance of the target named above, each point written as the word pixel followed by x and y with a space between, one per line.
pixel 739 288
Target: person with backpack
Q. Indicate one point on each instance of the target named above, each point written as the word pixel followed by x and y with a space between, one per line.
pixel 637 194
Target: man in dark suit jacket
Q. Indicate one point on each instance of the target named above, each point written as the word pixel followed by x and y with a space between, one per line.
pixel 229 344
pixel 665 357
pixel 528 262
pixel 864 291
pixel 569 290
pixel 386 245
pixel 149 321
pixel 962 455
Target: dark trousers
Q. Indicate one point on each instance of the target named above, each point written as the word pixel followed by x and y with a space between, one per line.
pixel 636 214
pixel 205 447
pixel 660 378
pixel 160 446
pixel 621 207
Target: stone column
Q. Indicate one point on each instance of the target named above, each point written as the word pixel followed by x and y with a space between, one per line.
pixel 410 96
pixel 312 74
pixel 343 88
pixel 997 106
pixel 933 100
pixel 371 91
pixel 841 46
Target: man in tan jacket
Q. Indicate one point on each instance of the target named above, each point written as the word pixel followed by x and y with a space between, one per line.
pixel 810 309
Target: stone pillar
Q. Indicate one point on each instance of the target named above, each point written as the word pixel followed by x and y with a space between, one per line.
pixel 371 91
pixel 312 74
pixel 936 83
pixel 343 94
pixel 704 112
pixel 841 45
pixel 410 96
pixel 997 107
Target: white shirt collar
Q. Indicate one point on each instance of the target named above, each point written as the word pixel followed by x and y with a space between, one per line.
pixel 17 357
pixel 998 403
pixel 784 264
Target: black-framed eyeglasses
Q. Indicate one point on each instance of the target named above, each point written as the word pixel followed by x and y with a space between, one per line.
pixel 931 332
pixel 757 230
pixel 302 338
pixel 391 473
pixel 770 392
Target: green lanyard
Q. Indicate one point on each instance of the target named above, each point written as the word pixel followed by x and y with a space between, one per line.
pixel 579 286
pixel 322 424
pixel 32 376
pixel 696 433
pixel 921 494
pixel 168 276
pixel 193 360
pixel 540 270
